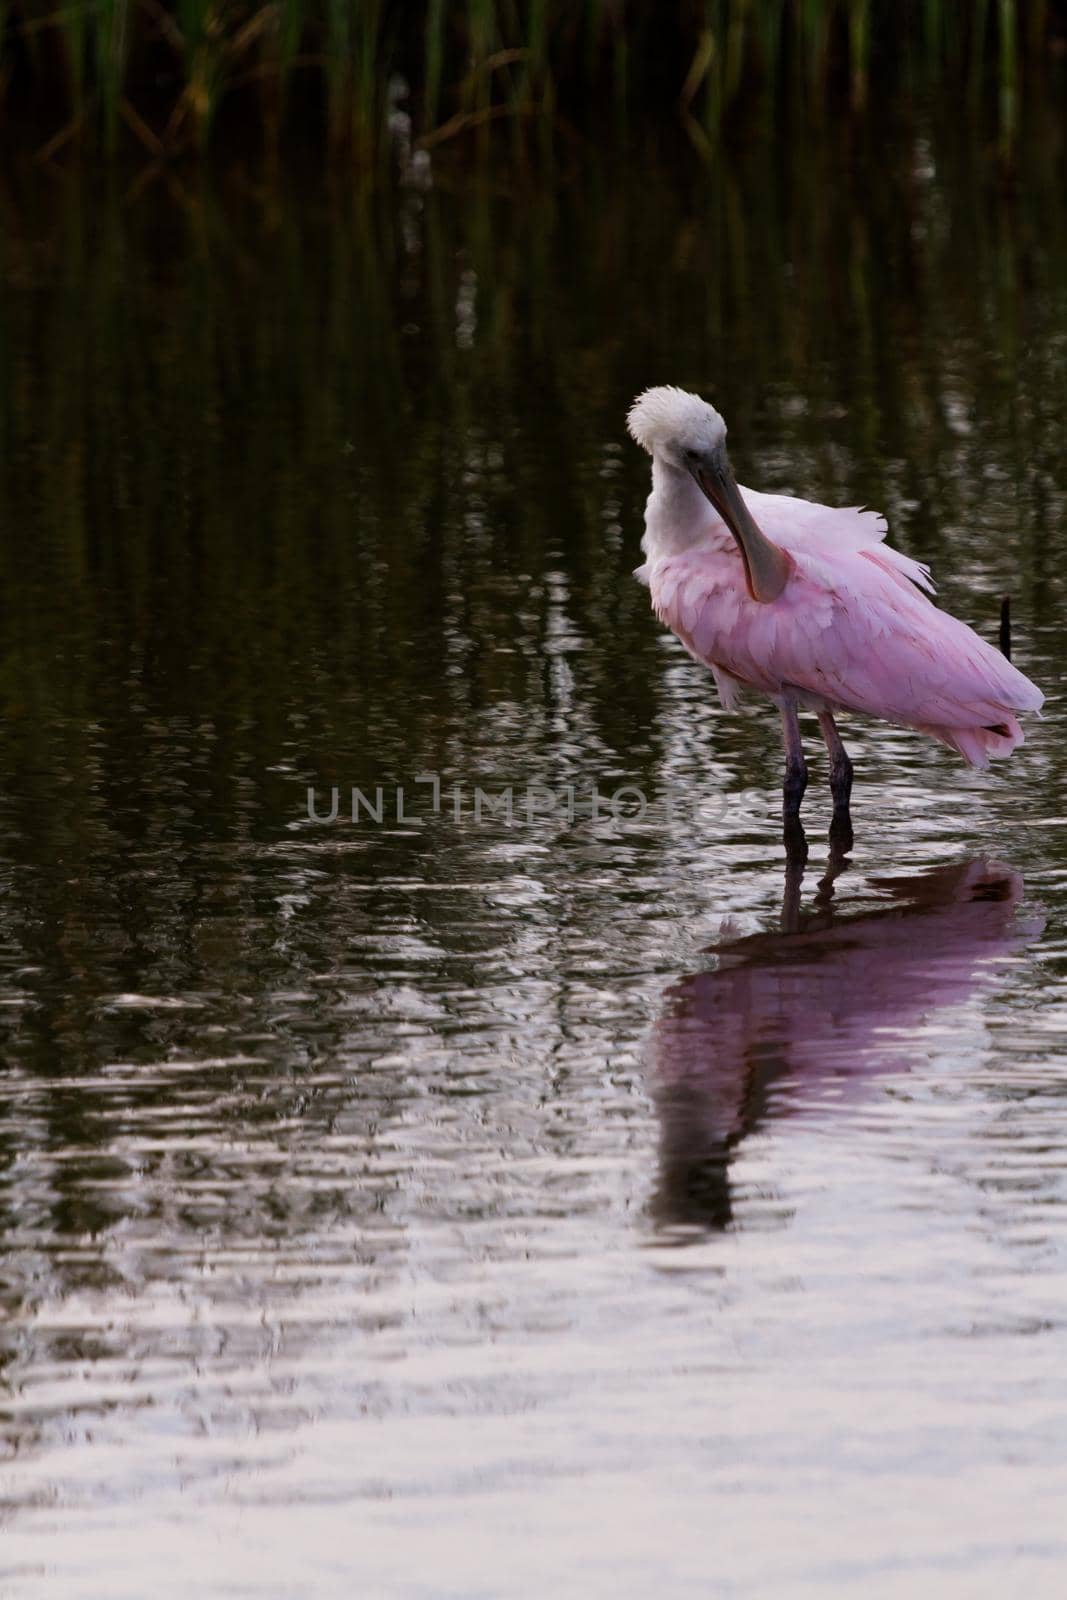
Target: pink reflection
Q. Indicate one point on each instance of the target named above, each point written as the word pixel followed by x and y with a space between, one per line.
pixel 786 1022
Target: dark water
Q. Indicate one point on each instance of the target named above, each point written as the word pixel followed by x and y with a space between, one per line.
pixel 443 1207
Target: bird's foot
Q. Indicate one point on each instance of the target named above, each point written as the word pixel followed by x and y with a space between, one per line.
pixel 795 841
pixel 796 855
pixel 841 835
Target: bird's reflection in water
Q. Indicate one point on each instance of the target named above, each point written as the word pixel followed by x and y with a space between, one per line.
pixel 821 1006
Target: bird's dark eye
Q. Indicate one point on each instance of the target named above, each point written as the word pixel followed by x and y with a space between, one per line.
pixel 692 455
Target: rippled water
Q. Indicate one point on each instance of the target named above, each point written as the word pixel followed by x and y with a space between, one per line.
pixel 443 1207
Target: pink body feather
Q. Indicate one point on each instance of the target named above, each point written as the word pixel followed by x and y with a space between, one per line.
pixel 852 630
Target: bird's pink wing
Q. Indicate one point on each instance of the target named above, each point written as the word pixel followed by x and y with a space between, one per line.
pixel 826 531
pixel 849 629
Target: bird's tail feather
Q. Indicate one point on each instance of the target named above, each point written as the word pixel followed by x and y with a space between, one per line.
pixel 978 746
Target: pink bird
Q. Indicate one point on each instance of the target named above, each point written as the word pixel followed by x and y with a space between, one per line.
pixel 808 604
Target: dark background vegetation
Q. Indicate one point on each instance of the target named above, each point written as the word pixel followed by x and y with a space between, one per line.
pixel 353 76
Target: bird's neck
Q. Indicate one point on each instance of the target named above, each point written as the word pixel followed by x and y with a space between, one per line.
pixel 677 515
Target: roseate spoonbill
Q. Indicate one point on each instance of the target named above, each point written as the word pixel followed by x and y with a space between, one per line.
pixel 807 604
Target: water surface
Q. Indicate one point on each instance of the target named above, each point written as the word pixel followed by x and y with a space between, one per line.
pixel 443 1207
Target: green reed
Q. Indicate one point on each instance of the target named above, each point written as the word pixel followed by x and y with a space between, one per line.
pixel 177 75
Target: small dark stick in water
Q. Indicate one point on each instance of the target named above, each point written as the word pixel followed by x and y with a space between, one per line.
pixel 1005 627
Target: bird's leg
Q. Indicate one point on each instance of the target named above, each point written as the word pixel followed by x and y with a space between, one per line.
pixel 796 772
pixel 840 768
pixel 796 856
pixel 836 861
